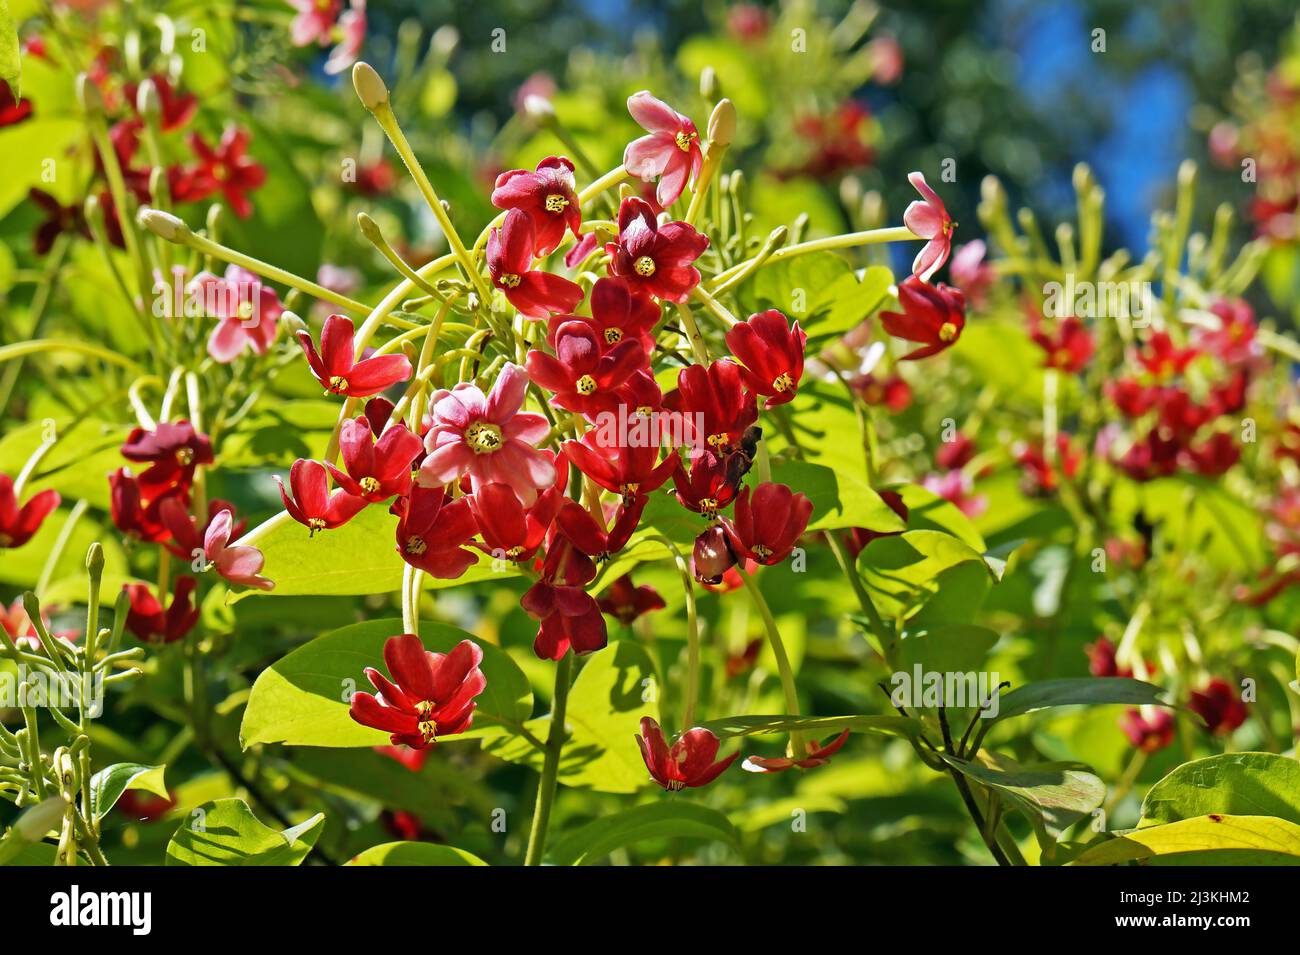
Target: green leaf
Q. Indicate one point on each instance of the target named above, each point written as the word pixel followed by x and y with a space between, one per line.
pixel 839 499
pixel 908 570
pixel 303 699
pixel 1051 795
pixel 1078 691
pixel 11 67
pixel 1254 784
pixel 107 785
pixel 415 853
pixel 946 648
pixel 603 717
pixel 358 558
pixel 817 726
pixel 1205 840
pixel 820 290
pixel 225 832
pixel 22 840
pixel 663 819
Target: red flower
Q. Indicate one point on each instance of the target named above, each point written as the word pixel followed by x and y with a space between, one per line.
pixel 376 470
pixel 839 140
pixel 616 314
pixel 1148 733
pixel 712 557
pixel 859 537
pixel 1132 398
pixel 716 395
pixel 133 514
pixel 767 523
pixel 625 601
pixel 335 368
pixel 535 294
pixel 12 112
pixel 18 524
pixel 177 108
pixel 1150 458
pixel 548 197
pixel 671 151
pixel 1069 348
pixel 143 806
pixel 1040 477
pixel 956 453
pixel 59 219
pixel 589 535
pixel 933 316
pixel 818 755
pixel 1219 705
pixel 892 392
pixel 173 451
pixel 430 694
pixel 956 487
pixel 510 530
pixel 928 220
pixel 569 617
pixel 1214 455
pixel 431 530
pixel 655 259
pixel 1102 660
pixel 690 762
pixel 708 486
pixel 312 504
pixel 226 169
pixel 149 622
pixel 583 379
pixel 772 353
pixel 1162 359
pixel 628 470
pixel 375 179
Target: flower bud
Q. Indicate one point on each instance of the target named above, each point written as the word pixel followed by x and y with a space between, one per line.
pixel 444 41
pixel 722 124
pixel 710 87
pixel 369 228
pixel 712 556
pixel 147 102
pixel 95 559
pixel 369 86
pixel 163 224
pixel 88 94
pixel 539 109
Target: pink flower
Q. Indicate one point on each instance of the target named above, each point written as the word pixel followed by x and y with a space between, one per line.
pixel 671 151
pixel 535 294
pixel 314 22
pixel 353 25
pixel 239 564
pixel 487 437
pixel 955 487
pixel 971 273
pixel 249 312
pixel 548 196
pixel 929 220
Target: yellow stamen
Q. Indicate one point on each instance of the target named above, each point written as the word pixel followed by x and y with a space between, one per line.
pixel 586 385
pixel 556 203
pixel 783 383
pixel 483 437
pixel 369 484
pixel 509 280
pixel 644 266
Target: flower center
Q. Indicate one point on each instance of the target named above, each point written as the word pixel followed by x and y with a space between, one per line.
pixel 613 336
pixel 556 203
pixel 709 507
pixel 585 385
pixel 509 280
pixel 184 457
pixel 338 384
pixel 369 484
pixel 245 310
pixel 717 440
pixel 629 490
pixel 783 383
pixel 483 437
pixel 762 551
pixel 947 332
pixel 6 540
pixel 515 552
pixel 644 266
pixel 428 730
pixel 315 524
pixel 645 410
pixel 674 785
pixel 415 545
pixel 684 140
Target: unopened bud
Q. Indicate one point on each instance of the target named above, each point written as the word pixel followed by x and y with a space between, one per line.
pixel 369 228
pixel 539 109
pixel 444 40
pixel 710 87
pixel 163 224
pixel 722 124
pixel 712 556
pixel 369 86
pixel 88 94
pixel 147 102
pixel 95 559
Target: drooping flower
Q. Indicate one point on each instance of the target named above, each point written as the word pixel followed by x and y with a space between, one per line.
pixel 136 516
pixel 707 485
pixel 690 763
pixel 247 312
pixel 1148 733
pixel 893 391
pixel 1219 705
pixel 312 504
pixel 956 453
pixel 627 469
pixel 488 437
pixel 534 293
pixel 772 352
pixel 581 378
pixel 239 564
pixel 147 620
pixel 548 196
pixel 655 259
pixel 818 755
pixel 933 316
pixel 928 219
pixel 432 530
pixel 716 397
pixel 570 618
pixel 19 524
pixel 1102 659
pixel 226 168
pixel 314 22
pixel 588 534
pixel 334 367
pixel 712 556
pixel 176 108
pixel 430 695
pixel 173 451
pixel 768 522
pixel 375 470
pixel 670 151
pixel 352 28
pixel 511 531
pixel 625 601
pixel 59 220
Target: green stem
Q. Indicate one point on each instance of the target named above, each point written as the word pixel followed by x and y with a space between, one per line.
pixel 782 658
pixel 551 764
pixel 692 636
pixel 849 240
